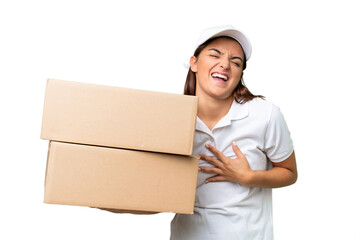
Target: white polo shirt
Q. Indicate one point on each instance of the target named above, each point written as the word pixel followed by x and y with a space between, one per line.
pixel 226 210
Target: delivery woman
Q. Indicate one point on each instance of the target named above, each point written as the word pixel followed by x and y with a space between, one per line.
pixel 243 141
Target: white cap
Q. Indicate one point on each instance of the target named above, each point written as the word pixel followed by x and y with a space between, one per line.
pixel 229 31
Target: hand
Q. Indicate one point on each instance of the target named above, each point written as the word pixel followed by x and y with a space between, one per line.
pixel 228 169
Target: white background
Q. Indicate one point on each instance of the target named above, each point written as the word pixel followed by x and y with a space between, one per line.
pixel 305 60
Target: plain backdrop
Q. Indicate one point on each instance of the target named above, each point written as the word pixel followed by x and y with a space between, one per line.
pixel 305 60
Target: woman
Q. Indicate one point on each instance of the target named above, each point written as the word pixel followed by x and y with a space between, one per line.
pixel 243 141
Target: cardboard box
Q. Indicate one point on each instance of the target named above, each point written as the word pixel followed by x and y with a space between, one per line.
pixel 119 117
pixel 114 178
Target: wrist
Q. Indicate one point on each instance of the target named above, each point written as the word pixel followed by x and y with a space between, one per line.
pixel 252 178
pixel 249 179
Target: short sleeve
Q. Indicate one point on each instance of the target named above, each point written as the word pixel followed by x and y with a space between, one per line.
pixel 278 143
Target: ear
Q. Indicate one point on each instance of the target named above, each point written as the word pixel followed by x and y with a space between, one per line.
pixel 193 64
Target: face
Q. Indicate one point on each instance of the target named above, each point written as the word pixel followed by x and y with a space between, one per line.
pixel 218 68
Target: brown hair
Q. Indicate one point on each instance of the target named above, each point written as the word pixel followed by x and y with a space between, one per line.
pixel 241 92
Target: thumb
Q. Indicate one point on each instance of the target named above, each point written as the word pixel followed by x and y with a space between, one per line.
pixel 237 149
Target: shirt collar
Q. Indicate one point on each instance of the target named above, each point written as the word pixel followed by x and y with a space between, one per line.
pixel 237 111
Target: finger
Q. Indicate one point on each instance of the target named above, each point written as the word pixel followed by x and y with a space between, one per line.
pixel 211 170
pixel 215 151
pixel 211 160
pixel 237 150
pixel 218 178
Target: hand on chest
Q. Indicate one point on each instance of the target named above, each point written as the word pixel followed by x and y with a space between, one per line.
pixel 249 139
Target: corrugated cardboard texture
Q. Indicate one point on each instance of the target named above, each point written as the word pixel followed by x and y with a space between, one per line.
pixel 113 178
pixel 119 117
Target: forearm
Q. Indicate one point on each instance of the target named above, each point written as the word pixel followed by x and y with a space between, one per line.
pixel 127 211
pixel 282 174
pixel 273 178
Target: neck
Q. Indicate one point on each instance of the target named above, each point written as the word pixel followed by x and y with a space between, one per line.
pixel 212 110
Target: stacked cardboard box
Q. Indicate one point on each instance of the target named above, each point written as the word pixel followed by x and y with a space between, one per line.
pixel 119 148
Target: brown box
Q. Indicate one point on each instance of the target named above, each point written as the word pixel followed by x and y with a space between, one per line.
pixel 119 117
pixel 114 178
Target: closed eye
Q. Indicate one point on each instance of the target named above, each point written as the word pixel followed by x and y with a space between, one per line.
pixel 213 52
pixel 236 64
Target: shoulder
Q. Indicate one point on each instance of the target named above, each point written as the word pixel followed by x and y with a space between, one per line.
pixel 262 107
pixel 259 102
pixel 265 110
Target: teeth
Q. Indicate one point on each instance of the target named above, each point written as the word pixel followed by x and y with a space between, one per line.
pixel 220 76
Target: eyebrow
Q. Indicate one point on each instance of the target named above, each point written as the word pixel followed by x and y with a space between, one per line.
pixel 219 52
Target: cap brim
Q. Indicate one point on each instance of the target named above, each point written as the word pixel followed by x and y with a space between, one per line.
pixel 239 37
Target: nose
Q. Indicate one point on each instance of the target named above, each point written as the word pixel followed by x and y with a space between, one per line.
pixel 225 64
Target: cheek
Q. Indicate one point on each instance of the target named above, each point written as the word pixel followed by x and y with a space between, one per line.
pixel 235 84
pixel 237 75
pixel 205 64
pixel 203 70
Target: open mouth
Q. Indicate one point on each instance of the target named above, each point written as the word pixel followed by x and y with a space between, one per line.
pixel 219 76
